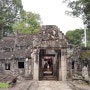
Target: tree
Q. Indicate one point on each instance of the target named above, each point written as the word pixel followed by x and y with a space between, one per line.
pixel 80 8
pixel 29 22
pixel 9 13
pixel 75 37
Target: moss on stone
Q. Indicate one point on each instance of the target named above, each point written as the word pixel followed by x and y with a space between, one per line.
pixel 85 54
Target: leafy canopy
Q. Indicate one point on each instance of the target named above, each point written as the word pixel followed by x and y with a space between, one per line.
pixel 29 22
pixel 80 8
pixel 14 18
pixel 9 13
pixel 76 37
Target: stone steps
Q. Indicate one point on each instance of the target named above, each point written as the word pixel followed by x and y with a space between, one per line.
pixel 49 77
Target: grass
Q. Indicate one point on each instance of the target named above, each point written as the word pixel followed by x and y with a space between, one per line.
pixel 4 85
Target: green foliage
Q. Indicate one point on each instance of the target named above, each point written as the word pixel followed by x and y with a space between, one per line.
pixel 29 22
pixel 4 85
pixel 75 37
pixel 14 18
pixel 9 13
pixel 80 8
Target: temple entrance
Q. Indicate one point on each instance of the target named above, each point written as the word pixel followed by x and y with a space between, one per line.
pixel 48 68
pixel 50 54
pixel 48 65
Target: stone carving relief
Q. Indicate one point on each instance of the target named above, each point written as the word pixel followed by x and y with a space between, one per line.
pixel 85 73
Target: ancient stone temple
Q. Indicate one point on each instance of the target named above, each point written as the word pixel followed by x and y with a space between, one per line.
pixel 35 56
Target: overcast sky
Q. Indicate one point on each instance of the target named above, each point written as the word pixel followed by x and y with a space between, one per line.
pixel 52 12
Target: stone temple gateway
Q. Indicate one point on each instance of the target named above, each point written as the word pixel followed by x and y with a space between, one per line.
pixel 35 56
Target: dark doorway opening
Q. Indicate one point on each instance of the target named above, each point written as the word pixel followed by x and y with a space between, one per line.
pixel 20 64
pixel 48 65
pixel 73 64
pixel 7 66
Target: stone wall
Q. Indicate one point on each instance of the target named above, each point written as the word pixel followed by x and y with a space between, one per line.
pixel 21 52
pixel 79 63
pixel 16 70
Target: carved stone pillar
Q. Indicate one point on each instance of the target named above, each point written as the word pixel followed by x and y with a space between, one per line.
pixel 85 73
pixel 26 67
pixel 63 65
pixel 36 65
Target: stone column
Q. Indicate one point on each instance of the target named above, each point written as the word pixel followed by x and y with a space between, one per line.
pixel 54 64
pixel 26 67
pixel 70 69
pixel 36 65
pixel 63 65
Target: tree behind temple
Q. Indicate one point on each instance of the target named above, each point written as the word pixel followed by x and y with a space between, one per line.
pixel 76 37
pixel 29 22
pixel 9 13
pixel 80 8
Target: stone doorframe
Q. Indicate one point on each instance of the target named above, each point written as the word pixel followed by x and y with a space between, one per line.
pixel 62 65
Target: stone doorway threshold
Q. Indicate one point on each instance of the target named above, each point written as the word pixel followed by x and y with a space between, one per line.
pixel 47 75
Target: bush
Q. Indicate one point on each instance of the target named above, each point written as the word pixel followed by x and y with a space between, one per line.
pixel 4 85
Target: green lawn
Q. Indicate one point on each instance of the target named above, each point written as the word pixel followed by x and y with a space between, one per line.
pixel 4 85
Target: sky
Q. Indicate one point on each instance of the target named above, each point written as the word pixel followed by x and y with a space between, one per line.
pixel 52 12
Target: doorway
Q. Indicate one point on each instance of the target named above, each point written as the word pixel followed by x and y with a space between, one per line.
pixel 48 68
pixel 48 65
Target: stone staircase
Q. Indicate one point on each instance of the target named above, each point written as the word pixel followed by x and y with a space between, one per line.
pixel 47 75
